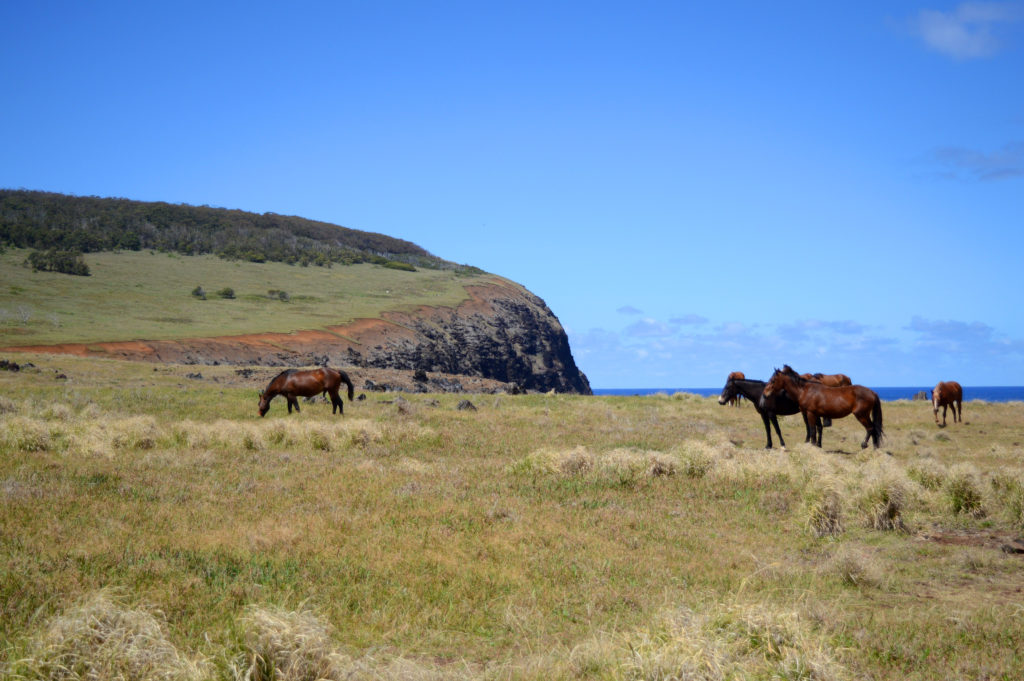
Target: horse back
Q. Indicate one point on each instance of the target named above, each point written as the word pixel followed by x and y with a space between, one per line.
pixel 948 391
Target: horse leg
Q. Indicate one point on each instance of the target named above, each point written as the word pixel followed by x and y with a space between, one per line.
pixel 865 421
pixel 293 402
pixel 818 430
pixel 775 422
pixel 767 430
pixel 958 413
pixel 944 406
pixel 336 404
pixel 807 428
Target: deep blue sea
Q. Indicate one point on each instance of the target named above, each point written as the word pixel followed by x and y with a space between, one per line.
pixel 998 393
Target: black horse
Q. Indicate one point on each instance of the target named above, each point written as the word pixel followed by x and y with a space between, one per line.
pixel 779 404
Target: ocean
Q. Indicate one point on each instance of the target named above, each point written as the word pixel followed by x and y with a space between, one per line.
pixel 998 393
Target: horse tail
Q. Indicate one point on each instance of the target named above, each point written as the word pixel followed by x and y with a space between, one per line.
pixel 876 419
pixel 348 381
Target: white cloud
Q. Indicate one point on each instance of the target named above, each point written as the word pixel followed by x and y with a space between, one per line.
pixel 629 309
pixel 969 31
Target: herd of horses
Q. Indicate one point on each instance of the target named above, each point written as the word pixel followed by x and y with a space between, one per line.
pixel 819 398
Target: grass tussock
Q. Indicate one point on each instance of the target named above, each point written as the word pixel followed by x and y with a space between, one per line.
pixel 963 492
pixel 289 646
pixel 623 465
pixel 730 641
pixel 824 509
pixel 103 639
pixel 855 566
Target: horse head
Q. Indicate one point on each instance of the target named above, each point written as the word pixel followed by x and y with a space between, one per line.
pixel 728 392
pixel 264 405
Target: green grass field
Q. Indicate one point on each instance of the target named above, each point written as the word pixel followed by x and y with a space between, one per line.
pixel 152 526
pixel 146 295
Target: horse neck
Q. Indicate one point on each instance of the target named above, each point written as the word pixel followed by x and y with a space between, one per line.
pixel 749 388
pixel 792 386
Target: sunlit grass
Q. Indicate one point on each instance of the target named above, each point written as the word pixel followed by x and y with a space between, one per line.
pixel 541 536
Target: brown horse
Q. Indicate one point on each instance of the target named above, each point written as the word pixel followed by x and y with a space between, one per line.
pixel 817 400
pixel 734 401
pixel 948 394
pixel 293 383
pixel 833 380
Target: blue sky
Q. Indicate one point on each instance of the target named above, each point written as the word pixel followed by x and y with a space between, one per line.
pixel 693 188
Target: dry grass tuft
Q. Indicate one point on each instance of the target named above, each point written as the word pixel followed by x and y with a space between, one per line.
pixel 855 567
pixel 133 433
pixel 24 434
pixel 824 509
pixel 1008 491
pixel 289 646
pixel 963 492
pixel 729 642
pixel 928 473
pixel 884 495
pixel 102 639
pixel 7 406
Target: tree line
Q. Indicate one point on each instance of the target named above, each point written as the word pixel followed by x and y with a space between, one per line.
pixel 87 224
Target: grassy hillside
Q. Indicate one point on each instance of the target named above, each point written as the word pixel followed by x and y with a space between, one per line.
pixel 147 295
pixel 153 526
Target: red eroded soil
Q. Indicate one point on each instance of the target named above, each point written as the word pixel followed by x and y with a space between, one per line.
pixel 295 348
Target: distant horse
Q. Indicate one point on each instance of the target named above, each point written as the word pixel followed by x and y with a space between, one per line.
pixel 735 399
pixel 777 405
pixel 293 383
pixel 948 394
pixel 817 400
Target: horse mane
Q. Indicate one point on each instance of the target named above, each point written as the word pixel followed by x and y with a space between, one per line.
pixel 791 373
pixel 283 373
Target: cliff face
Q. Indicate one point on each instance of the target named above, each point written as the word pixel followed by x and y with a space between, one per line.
pixel 511 337
pixel 502 332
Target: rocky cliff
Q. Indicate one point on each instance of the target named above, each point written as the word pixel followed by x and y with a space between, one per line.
pixel 502 332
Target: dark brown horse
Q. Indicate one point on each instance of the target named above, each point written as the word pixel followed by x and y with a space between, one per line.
pixel 734 401
pixel 769 409
pixel 948 394
pixel 818 400
pixel 293 383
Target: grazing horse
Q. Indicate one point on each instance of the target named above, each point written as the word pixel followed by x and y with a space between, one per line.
pixel 735 399
pixel 777 405
pixel 948 394
pixel 293 383
pixel 817 400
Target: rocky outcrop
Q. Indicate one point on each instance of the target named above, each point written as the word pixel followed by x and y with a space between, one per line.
pixel 502 332
pixel 514 339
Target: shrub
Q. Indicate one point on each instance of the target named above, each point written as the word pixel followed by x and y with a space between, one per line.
pixel 53 260
pixel 227 292
pixel 199 293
